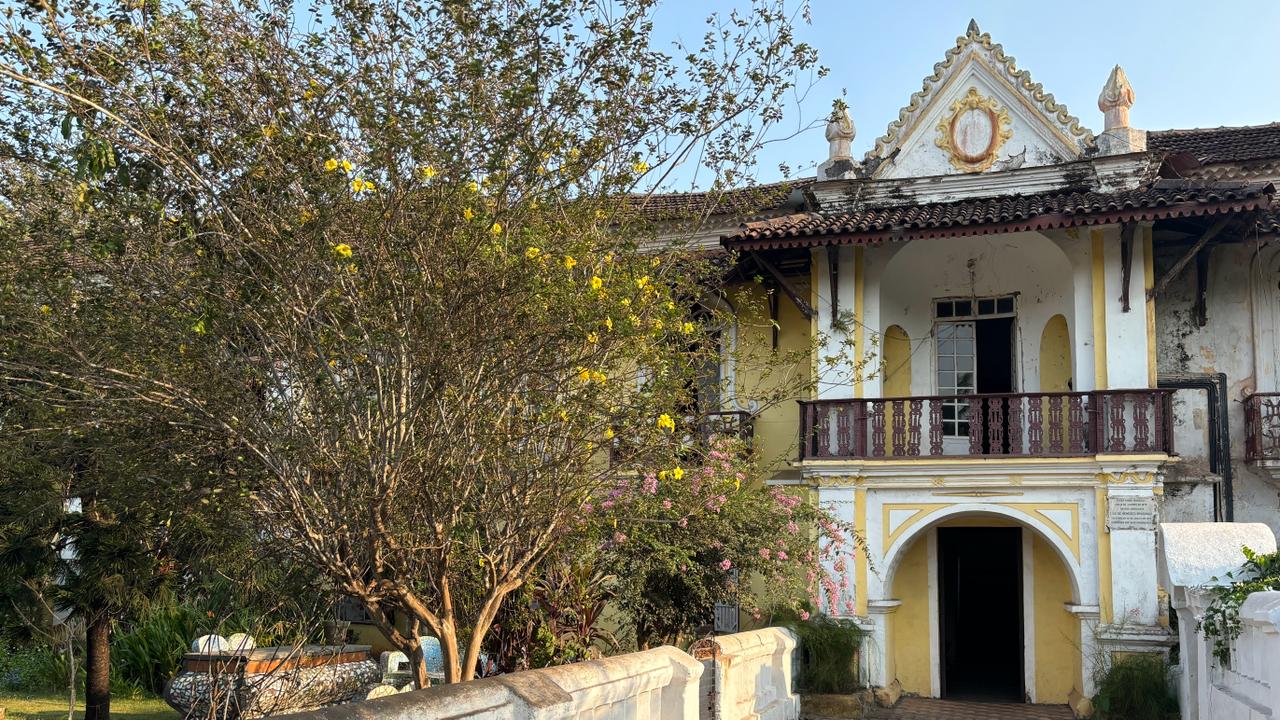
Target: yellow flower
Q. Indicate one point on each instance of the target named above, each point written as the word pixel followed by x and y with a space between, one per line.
pixel 305 216
pixel 473 186
pixel 608 323
pixel 361 185
pixel 45 309
pixel 342 250
pixel 467 214
pixel 641 167
pixel 333 362
pixel 687 328
pixel 597 376
pixel 564 416
pixel 626 302
pixel 346 166
pixel 662 475
pixel 569 262
pixel 429 172
pixel 532 253
pixel 496 229
pixel 666 423
pixel 593 338
pixel 596 282
pixel 308 94
pixel 643 282
pixel 599 214
pixel 330 165
pixel 677 473
pixel 269 131
pixel 584 375
pixel 609 433
pixel 657 325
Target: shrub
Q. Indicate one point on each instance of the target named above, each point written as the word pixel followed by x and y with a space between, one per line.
pixel 828 649
pixel 1221 622
pixel 1136 687
pixel 149 653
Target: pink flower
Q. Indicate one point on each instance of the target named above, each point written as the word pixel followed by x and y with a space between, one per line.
pixel 804 614
pixel 587 508
pixel 725 564
pixel 764 553
pixel 650 484
pixel 666 504
pixel 619 537
pixel 606 504
pixel 792 527
pixel 782 554
pixel 684 522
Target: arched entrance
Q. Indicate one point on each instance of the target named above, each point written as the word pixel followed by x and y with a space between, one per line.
pixel 982 612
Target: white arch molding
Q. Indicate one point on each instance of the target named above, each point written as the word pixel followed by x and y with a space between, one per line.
pixel 893 555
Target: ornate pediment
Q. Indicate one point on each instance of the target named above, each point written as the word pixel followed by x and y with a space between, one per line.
pixel 977 112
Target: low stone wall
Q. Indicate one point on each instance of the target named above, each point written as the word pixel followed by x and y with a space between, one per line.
pixel 748 676
pixel 1247 687
pixel 659 683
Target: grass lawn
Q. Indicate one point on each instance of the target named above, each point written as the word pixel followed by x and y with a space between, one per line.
pixel 52 706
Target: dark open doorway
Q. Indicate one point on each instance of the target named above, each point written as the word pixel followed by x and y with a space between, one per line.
pixel 995 376
pixel 980 613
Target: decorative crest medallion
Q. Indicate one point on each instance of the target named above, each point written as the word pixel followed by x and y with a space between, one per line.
pixel 973 131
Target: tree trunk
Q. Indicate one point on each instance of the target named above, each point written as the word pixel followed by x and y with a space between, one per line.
pixel 97 661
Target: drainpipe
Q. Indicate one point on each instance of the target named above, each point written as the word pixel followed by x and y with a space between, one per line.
pixel 1215 386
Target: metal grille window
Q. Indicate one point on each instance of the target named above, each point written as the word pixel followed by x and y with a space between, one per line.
pixel 957 360
pixel 957 352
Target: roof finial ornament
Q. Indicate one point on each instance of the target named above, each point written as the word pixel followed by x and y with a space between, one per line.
pixel 839 133
pixel 1115 100
pixel 973 30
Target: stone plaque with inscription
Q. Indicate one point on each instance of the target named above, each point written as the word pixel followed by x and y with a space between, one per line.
pixel 1131 512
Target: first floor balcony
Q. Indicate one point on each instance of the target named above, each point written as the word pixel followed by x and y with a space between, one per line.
pixel 1262 429
pixel 1049 424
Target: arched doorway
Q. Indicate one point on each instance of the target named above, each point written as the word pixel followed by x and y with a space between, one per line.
pixel 982 608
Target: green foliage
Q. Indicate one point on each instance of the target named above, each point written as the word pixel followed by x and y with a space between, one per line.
pixel 1221 621
pixel 151 651
pixel 828 649
pixel 687 533
pixel 1136 687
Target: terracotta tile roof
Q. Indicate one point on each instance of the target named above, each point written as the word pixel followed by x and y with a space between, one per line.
pixel 1162 198
pixel 1223 144
pixel 741 201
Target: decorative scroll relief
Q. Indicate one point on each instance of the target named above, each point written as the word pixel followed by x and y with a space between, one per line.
pixel 973 131
pixel 1131 512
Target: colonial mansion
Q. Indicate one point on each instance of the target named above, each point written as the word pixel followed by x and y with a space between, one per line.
pixel 1073 336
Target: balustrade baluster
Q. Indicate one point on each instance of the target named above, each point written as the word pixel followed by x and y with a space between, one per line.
pixel 1115 413
pixel 1075 424
pixel 877 428
pixel 1015 424
pixel 935 426
pixel 843 423
pixel 913 437
pixel 860 428
pixel 899 427
pixel 1055 424
pixel 1035 424
pixel 1141 430
pixel 995 425
pixel 975 425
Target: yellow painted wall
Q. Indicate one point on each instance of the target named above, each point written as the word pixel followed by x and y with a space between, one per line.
pixel 909 628
pixel 1055 356
pixel 897 362
pixel 1058 664
pixel 777 428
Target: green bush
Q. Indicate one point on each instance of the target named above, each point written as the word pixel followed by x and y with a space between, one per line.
pixel 149 653
pixel 1136 687
pixel 828 650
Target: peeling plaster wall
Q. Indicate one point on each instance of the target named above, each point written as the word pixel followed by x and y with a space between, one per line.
pixel 1224 345
pixel 1029 264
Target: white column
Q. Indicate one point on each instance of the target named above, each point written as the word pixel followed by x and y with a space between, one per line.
pixel 833 382
pixel 869 270
pixel 1077 247
pixel 1127 346
pixel 1130 518
pixel 1088 616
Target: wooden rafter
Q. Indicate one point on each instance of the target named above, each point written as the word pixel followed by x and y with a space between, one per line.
pixel 785 286
pixel 1172 272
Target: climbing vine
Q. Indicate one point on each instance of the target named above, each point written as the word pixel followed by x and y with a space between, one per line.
pixel 1221 622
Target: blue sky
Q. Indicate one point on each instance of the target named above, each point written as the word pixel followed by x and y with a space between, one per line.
pixel 1191 63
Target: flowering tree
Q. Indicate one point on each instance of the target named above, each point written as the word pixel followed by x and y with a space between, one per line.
pixel 378 251
pixel 681 537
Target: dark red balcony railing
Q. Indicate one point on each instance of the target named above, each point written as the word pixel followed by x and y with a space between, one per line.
pixel 1262 427
pixel 1027 424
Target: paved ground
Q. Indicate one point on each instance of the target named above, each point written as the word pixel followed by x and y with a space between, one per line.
pixel 923 709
